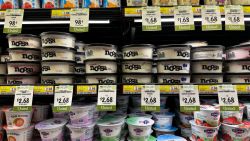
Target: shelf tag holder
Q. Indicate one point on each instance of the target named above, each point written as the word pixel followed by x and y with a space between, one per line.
pixel 183 18
pixel 23 98
pixel 13 21
pixel 189 98
pixel 106 98
pixel 150 98
pixel 211 18
pixel 63 98
pixel 43 90
pixel 228 98
pixel 151 18
pixel 234 17
pixel 79 20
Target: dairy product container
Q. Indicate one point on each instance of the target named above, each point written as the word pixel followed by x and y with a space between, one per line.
pixel 100 66
pixel 27 55
pixel 23 41
pixel 173 66
pixel 69 4
pixel 138 51
pixel 237 66
pixel 137 66
pixel 57 79
pixel 81 133
pixel 208 116
pixel 173 79
pixel 57 53
pixel 23 68
pixel 57 39
pixel 240 2
pixel 101 51
pixel 82 115
pixel 235 132
pixel 168 131
pixel 217 2
pixel 164 3
pixel 170 138
pixel 163 121
pixel 233 117
pixel 213 52
pixel 173 51
pixel 5 58
pixel 238 78
pixel 137 78
pixel 24 134
pixel 58 67
pixel 207 78
pixel 137 2
pixel 207 66
pixel 101 79
pixel 17 79
pixel 238 52
pixel 197 43
pixel 185 119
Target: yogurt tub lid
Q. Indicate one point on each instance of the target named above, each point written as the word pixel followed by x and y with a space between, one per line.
pixel 80 126
pixel 139 121
pixel 173 46
pixel 169 129
pixel 168 137
pixel 51 124
pixel 56 32
pixel 56 61
pixel 110 120
pixel 22 35
pixel 11 129
pixel 138 45
pixel 100 45
pixel 208 47
pixel 59 47
pixel 193 123
pixel 140 115
pixel 23 48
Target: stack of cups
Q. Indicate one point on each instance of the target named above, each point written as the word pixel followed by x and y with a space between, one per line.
pixel 25 56
pixel 137 63
pixel 173 64
pixel 19 126
pixel 101 63
pixel 58 58
pixel 207 64
pixel 80 58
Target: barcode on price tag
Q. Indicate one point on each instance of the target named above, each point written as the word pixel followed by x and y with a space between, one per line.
pixel 63 98
pixel 211 18
pixel 23 98
pixel 228 98
pixel 150 98
pixel 13 21
pixel 79 20
pixel 184 18
pixel 106 98
pixel 234 17
pixel 189 98
pixel 151 18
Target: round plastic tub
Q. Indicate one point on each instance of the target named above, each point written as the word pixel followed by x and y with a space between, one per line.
pixel 213 52
pixel 173 52
pixel 40 113
pixel 103 66
pixel 81 133
pixel 23 41
pixel 51 129
pixel 185 119
pixel 101 51
pixel 137 78
pixel 238 78
pixel 163 121
pixel 80 47
pixel 173 66
pixel 80 69
pixel 164 3
pixel 136 66
pixel 30 4
pixel 138 51
pixel 240 2
pixel 101 78
pixel 80 58
pixel 23 68
pixel 140 115
pixel 28 55
pixel 235 132
pixel 58 67
pixel 57 79
pixel 217 2
pixel 82 115
pixel 238 52
pixel 207 116
pixel 16 79
pixel 238 67
pixel 207 67
pixel 57 39
pixel 197 43
pixel 233 117
pixel 3 68
pixel 169 131
pixel 56 53
pixel 5 58
pixel 184 2
pixel 173 79
pixel 204 132
pixel 207 78
pixel 24 134
pixel 50 4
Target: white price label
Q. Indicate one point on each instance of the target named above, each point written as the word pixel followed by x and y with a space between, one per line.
pixel 183 18
pixel 79 20
pixel 63 98
pixel 228 98
pixel 151 19
pixel 211 18
pixel 106 98
pixel 150 98
pixel 189 98
pixel 23 98
pixel 234 17
pixel 13 21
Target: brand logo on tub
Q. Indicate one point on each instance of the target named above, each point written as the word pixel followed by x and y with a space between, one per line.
pixel 138 131
pixel 49 41
pixel 130 54
pixel 14 82
pixel 238 131
pixel 79 70
pixel 106 81
pixel 23 70
pixel 209 131
pixel 48 81
pixel 246 67
pixel 183 53
pixel 210 67
pixel 31 56
pixel 215 114
pixel 171 81
pixel 19 43
pixel 175 67
pixel 110 53
pixel 209 80
pixel 130 80
pixel 49 54
pixel 108 131
pixel 45 68
pixel 98 68
pixel 133 67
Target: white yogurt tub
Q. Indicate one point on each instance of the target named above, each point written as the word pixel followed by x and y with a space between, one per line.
pixel 82 115
pixel 140 115
pixel 101 66
pixel 57 39
pixel 5 58
pixel 238 52
pixel 101 78
pixel 214 52
pixel 185 119
pixel 101 51
pixel 51 129
pixel 203 132
pixel 169 131
pixel 207 66
pixel 23 68
pixel 40 113
pixel 138 51
pixel 3 68
pixel 238 78
pixel 207 78
pixel 57 79
pixel 184 2
pixel 28 55
pixel 238 66
pixel 173 66
pixel 18 79
pixel 208 116
pixel 173 79
pixel 217 2
pixel 164 3
pixel 80 58
pixel 24 134
pixel 173 52
pixel 80 47
pixel 81 133
pixel 163 121
pixel 137 66
pixel 137 78
pixel 233 117
pixel 240 2
pixel 18 120
pixel 23 41
pixel 139 127
pixel 58 67
pixel 235 133
pixel 197 43
pixel 57 53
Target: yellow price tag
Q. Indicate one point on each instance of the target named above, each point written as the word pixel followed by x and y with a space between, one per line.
pixel 169 89
pixel 132 89
pixel 208 89
pixel 44 90
pixel 58 13
pixel 86 89
pixel 243 89
pixel 7 90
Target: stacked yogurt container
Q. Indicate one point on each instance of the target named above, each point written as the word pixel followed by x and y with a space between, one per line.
pixel 137 63
pixel 80 66
pixel 101 63
pixel 58 58
pixel 24 59
pixel 173 64
pixel 207 64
